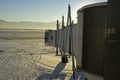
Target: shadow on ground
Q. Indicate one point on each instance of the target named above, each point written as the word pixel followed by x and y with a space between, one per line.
pixel 78 76
pixel 56 74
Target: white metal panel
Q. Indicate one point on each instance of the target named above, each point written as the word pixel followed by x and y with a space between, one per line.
pixel 79 40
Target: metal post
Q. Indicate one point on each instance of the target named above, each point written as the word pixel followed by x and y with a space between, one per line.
pixel 57 38
pixel 71 51
pixel 63 33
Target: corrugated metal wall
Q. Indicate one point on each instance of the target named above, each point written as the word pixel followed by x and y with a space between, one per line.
pixel 112 56
pixel 64 38
pixel 94 25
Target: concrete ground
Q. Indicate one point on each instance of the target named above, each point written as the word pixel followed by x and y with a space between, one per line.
pixel 29 59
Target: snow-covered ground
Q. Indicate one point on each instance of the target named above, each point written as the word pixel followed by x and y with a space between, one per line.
pixel 24 56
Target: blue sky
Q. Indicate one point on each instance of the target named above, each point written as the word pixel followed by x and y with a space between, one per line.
pixel 40 10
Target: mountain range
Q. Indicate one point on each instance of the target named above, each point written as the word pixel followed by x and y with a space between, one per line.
pixel 27 25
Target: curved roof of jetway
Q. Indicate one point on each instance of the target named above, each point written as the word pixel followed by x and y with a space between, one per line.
pixel 92 5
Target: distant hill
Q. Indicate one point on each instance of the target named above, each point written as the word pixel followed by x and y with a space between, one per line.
pixel 1 21
pixel 27 25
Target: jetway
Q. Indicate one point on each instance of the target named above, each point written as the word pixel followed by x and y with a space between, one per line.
pixel 94 41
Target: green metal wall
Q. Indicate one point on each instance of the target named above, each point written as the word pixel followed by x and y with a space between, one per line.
pixel 94 25
pixel 112 56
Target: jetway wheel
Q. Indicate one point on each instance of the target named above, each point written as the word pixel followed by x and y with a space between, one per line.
pixel 64 59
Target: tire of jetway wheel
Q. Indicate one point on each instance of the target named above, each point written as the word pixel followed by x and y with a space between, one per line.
pixel 64 59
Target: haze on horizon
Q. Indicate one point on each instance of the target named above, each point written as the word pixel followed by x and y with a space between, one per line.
pixel 40 10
